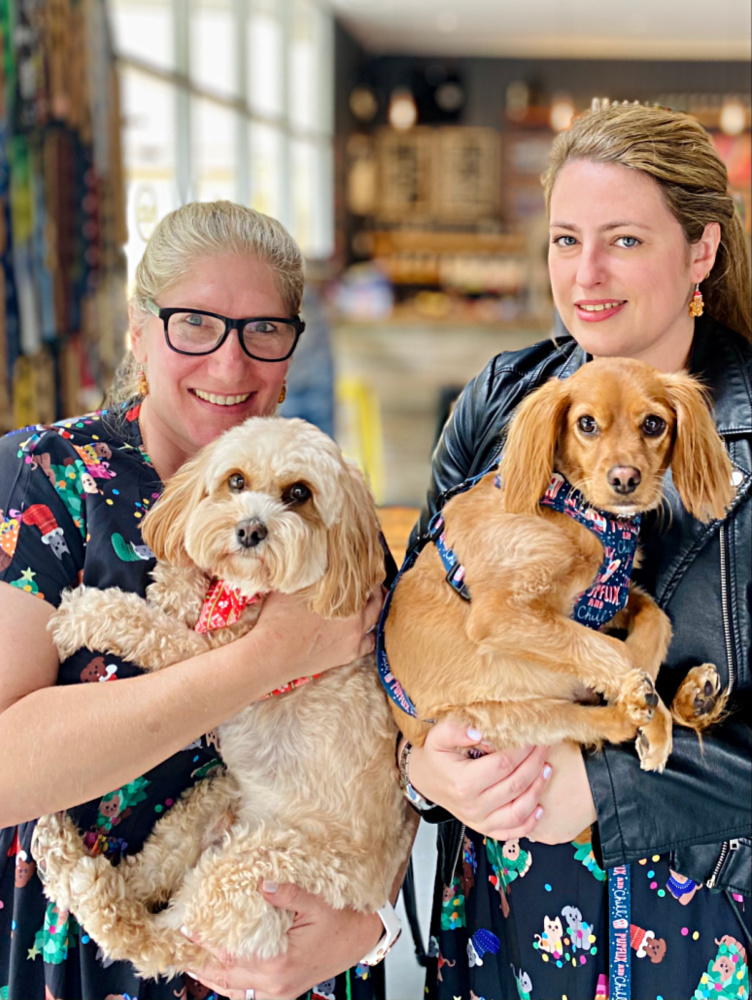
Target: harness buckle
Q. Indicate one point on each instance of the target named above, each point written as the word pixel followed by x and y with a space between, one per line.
pixel 458 585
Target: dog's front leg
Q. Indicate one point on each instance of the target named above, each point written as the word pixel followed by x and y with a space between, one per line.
pixel 501 623
pixel 123 624
pixel 649 630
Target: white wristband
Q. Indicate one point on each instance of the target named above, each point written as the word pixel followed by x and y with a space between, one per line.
pixel 392 930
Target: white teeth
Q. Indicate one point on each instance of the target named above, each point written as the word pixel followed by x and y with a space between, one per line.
pixel 221 400
pixel 600 308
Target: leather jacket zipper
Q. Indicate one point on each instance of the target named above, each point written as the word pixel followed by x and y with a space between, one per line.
pixel 725 608
pixel 726 847
pixel 460 842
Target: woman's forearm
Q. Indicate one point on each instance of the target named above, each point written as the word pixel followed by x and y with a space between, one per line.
pixel 64 745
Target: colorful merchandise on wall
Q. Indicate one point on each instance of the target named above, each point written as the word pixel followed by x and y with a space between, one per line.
pixel 62 228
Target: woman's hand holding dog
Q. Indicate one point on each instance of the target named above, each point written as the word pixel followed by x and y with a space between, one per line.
pixel 322 943
pixel 305 643
pixel 567 801
pixel 498 794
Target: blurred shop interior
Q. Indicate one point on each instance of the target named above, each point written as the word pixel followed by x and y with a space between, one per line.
pixel 401 143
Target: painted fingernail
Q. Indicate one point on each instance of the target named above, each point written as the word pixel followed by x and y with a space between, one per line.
pixel 270 887
pixel 547 772
pixel 473 734
pixel 539 812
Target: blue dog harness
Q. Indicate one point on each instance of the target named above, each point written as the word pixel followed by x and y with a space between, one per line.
pixel 594 608
pixel 619 536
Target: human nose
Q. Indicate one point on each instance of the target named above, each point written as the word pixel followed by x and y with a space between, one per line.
pixel 590 266
pixel 230 354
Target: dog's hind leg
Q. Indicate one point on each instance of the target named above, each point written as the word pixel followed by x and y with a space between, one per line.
pixel 115 904
pixel 699 703
pixel 225 907
pixel 196 823
pixel 517 723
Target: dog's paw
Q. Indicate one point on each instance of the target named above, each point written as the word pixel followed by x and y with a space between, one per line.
pixel 699 702
pixel 639 698
pixel 69 624
pixel 655 740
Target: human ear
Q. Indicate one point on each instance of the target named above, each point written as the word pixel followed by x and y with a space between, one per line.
pixel 703 252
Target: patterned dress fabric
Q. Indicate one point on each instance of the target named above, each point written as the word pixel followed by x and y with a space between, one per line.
pixel 529 921
pixel 72 496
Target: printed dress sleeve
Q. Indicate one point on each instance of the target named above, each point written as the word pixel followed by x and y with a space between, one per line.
pixel 42 513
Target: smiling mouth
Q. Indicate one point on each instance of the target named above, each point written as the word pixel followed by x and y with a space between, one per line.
pixel 600 307
pixel 211 397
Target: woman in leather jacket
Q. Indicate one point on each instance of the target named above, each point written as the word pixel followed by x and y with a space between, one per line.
pixel 640 216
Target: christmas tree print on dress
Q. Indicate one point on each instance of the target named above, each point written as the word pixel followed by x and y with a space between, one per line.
pixel 727 976
pixel 55 937
pixel 509 861
pixel 452 906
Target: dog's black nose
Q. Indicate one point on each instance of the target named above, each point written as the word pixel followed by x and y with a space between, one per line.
pixel 623 478
pixel 249 533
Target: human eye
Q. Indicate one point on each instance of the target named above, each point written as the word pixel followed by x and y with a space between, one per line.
pixel 565 240
pixel 627 242
pixel 262 326
pixel 190 319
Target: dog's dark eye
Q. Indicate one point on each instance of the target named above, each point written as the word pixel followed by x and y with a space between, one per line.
pixel 296 493
pixel 653 425
pixel 587 425
pixel 236 482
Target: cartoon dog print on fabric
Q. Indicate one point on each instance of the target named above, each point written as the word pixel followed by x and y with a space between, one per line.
pixel 580 932
pixel 646 944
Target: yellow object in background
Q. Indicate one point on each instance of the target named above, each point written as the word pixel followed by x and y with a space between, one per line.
pixel 359 430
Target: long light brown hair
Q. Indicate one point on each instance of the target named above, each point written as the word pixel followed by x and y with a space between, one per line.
pixel 677 152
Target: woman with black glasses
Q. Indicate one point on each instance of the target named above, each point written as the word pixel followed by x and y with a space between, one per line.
pixel 213 323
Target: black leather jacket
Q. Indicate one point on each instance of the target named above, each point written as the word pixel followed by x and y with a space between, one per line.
pixel 699 808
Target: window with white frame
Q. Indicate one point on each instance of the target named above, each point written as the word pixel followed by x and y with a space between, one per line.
pixel 227 99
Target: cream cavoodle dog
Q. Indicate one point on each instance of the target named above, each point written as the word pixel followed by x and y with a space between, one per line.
pixel 310 794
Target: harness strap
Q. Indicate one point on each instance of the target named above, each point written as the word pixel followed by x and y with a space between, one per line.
pixel 390 683
pixel 455 571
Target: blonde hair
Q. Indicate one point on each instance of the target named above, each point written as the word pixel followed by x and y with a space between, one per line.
pixel 676 151
pixel 192 233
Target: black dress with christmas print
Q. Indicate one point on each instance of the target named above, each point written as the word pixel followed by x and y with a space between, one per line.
pixel 530 921
pixel 72 496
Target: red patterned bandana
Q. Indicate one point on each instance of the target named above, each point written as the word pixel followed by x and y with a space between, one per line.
pixel 298 682
pixel 223 606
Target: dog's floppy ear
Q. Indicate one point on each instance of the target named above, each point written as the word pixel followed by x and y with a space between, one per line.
pixel 699 462
pixel 164 526
pixel 530 450
pixel 355 557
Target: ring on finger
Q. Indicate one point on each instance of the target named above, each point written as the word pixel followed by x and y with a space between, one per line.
pixel 250 995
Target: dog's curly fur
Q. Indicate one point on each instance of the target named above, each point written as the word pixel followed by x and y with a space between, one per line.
pixel 512 663
pixel 310 794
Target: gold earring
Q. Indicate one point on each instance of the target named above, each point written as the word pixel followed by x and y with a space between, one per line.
pixel 282 392
pixel 143 383
pixel 696 303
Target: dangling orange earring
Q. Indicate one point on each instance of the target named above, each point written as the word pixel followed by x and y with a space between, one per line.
pixel 143 384
pixel 282 392
pixel 696 303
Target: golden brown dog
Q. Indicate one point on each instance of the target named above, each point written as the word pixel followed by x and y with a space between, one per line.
pixel 511 662
pixel 310 794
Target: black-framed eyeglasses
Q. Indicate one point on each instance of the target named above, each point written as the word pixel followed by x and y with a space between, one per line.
pixel 195 331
